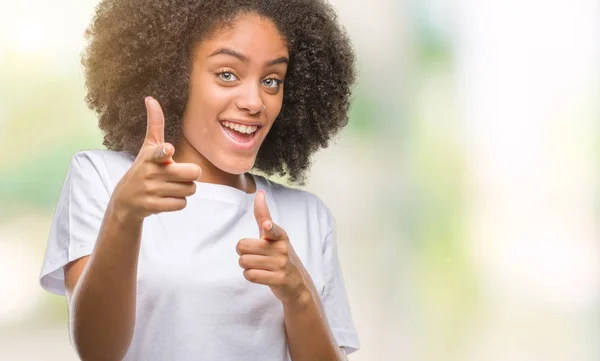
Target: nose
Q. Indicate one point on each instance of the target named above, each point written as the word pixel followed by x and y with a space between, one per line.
pixel 250 99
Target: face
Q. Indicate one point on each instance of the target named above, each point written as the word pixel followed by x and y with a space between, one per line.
pixel 236 92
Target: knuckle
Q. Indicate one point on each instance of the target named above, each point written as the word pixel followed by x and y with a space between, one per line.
pixel 240 247
pixel 148 188
pixel 249 275
pixel 181 204
pixel 281 262
pixel 281 248
pixel 244 259
pixel 147 173
pixel 265 244
pixel 280 278
pixel 150 205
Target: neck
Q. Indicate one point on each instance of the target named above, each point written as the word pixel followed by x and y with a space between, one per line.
pixel 185 153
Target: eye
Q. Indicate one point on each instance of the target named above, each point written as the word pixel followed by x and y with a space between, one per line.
pixel 272 83
pixel 227 76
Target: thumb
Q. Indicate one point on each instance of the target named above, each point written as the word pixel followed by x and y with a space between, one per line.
pixel 161 152
pixel 155 127
pixel 261 212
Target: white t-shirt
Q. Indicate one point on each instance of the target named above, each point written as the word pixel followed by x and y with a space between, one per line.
pixel 193 302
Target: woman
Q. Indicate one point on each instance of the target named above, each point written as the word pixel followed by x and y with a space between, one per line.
pixel 165 246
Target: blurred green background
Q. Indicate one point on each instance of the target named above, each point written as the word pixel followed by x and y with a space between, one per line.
pixel 465 187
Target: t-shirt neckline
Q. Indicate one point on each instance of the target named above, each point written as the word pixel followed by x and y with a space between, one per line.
pixel 225 193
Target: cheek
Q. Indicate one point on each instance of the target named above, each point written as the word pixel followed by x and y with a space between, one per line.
pixel 208 98
pixel 205 103
pixel 274 105
pixel 218 98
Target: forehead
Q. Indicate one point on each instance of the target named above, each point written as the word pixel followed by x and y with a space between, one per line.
pixel 250 34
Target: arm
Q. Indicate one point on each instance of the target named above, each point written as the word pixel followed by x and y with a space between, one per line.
pixel 101 292
pixel 309 336
pixel 272 261
pixel 101 288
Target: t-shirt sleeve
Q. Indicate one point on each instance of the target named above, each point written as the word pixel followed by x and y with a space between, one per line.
pixel 77 218
pixel 334 296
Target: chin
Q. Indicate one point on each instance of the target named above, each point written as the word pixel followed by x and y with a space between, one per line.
pixel 236 166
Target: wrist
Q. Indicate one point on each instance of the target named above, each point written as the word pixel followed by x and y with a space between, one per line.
pixel 302 300
pixel 122 215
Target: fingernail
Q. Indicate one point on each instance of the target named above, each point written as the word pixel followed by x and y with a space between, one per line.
pixel 164 150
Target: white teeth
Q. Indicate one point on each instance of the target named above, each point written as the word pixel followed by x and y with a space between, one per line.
pixel 248 129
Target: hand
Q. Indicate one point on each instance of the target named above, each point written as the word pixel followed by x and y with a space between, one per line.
pixel 154 183
pixel 271 260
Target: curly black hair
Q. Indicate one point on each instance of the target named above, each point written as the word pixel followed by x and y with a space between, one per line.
pixel 144 47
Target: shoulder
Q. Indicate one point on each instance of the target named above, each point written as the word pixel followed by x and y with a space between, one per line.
pixel 286 194
pixel 102 157
pixel 106 166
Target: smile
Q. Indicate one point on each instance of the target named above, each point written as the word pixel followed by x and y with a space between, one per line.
pixel 240 128
pixel 242 137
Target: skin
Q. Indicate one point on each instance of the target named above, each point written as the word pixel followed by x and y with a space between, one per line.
pixel 223 86
pixel 162 175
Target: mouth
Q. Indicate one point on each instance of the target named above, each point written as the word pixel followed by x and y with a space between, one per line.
pixel 241 136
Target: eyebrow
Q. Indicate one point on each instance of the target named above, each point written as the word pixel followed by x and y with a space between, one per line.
pixel 243 58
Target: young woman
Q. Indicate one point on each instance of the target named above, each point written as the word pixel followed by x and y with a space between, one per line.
pixel 165 246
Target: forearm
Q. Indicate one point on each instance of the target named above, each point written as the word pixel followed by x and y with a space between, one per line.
pixel 102 311
pixel 308 333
